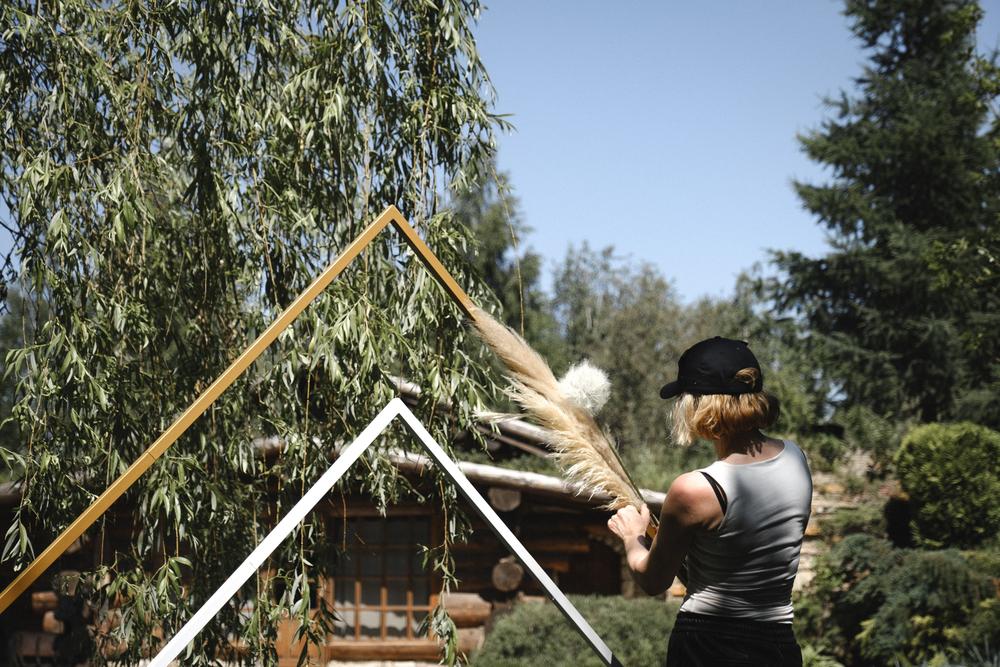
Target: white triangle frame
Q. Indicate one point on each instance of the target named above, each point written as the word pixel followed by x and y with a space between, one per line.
pixel 395 408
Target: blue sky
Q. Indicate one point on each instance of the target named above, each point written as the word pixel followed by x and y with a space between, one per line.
pixel 668 129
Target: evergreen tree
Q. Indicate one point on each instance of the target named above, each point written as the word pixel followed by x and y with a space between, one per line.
pixel 914 154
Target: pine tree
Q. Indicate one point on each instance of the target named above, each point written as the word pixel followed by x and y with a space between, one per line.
pixel 914 156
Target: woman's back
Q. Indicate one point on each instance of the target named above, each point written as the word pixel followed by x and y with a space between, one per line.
pixel 746 566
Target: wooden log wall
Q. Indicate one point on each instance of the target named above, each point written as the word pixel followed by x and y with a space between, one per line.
pixel 569 543
pixel 569 539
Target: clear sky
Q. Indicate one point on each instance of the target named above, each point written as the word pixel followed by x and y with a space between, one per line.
pixel 668 129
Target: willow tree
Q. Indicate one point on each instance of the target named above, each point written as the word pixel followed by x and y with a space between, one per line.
pixel 174 174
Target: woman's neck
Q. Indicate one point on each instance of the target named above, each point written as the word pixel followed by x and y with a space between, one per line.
pixel 749 443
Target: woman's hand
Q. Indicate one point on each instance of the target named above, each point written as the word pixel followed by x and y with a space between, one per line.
pixel 629 523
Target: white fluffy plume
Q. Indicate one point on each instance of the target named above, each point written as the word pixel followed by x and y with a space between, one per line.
pixel 587 386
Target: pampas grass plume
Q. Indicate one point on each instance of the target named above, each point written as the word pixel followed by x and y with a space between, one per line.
pixel 579 445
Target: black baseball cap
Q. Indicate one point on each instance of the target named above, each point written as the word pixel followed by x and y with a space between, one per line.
pixel 710 367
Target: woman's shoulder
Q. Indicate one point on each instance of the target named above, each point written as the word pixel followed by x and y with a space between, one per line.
pixel 692 500
pixel 689 485
pixel 794 447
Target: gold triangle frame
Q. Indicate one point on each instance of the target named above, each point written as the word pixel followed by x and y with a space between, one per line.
pixel 390 216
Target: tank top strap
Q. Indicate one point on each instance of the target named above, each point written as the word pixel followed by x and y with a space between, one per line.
pixel 720 493
pixel 721 475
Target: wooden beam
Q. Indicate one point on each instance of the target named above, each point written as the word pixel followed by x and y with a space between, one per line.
pixel 531 482
pixel 504 499
pixel 43 601
pixel 507 575
pixel 51 624
pixel 466 609
pixel 383 649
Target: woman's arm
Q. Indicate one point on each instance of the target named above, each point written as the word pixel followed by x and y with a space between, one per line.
pixel 690 505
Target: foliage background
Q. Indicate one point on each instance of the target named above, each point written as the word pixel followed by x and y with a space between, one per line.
pixel 175 174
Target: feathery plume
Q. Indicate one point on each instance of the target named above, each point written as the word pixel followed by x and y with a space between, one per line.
pixel 584 451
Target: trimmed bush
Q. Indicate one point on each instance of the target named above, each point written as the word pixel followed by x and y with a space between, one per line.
pixel 636 630
pixel 952 474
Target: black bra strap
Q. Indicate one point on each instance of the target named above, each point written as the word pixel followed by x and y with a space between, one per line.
pixel 719 491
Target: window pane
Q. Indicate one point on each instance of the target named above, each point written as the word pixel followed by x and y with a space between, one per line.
pixel 396 595
pixel 398 532
pixel 420 593
pixel 395 623
pixel 343 592
pixel 371 593
pixel 418 618
pixel 371 623
pixel 371 564
pixel 381 555
pixel 348 563
pixel 396 561
pixel 371 531
pixel 420 529
pixel 343 625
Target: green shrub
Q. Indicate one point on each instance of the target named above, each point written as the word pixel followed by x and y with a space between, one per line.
pixel 986 558
pixel 952 474
pixel 874 604
pixel 869 432
pixel 823 450
pixel 930 599
pixel 815 657
pixel 984 626
pixel 983 655
pixel 868 519
pixel 847 590
pixel 636 630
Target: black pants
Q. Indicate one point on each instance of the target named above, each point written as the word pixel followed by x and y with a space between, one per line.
pixel 699 640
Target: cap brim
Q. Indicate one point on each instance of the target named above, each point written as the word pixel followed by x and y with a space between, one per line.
pixel 670 390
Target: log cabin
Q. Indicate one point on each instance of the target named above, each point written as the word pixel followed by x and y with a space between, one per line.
pixel 380 590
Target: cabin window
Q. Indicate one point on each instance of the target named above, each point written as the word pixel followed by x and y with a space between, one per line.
pixel 380 588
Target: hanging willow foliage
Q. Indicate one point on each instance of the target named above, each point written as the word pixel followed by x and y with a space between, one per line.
pixel 174 174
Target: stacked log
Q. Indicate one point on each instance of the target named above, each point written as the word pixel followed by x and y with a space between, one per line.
pixel 507 575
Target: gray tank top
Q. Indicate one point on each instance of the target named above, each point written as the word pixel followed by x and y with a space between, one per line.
pixel 746 566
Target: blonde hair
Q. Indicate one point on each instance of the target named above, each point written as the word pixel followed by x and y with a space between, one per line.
pixel 718 416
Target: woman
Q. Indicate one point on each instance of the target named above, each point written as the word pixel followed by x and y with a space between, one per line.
pixel 736 526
